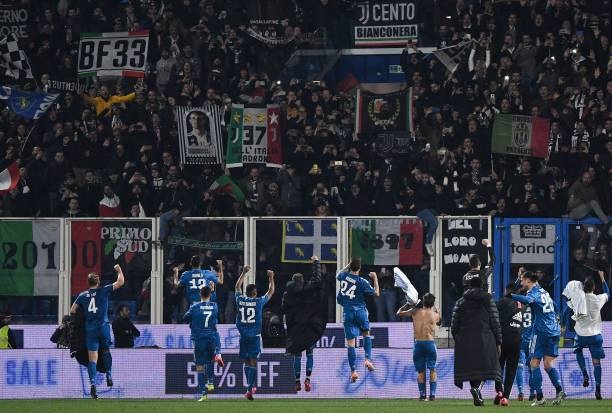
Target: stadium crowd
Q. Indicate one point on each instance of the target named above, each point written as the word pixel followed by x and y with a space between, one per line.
pixel 112 149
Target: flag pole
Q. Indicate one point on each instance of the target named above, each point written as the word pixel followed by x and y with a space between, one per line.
pixel 27 138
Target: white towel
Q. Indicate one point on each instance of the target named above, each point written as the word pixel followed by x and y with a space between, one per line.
pixel 574 291
pixel 401 281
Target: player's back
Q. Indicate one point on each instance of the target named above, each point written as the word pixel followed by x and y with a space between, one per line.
pixel 203 319
pixel 353 290
pixel 94 303
pixel 249 311
pixel 194 280
pixel 543 312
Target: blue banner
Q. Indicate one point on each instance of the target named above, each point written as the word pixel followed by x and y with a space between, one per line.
pixel 29 105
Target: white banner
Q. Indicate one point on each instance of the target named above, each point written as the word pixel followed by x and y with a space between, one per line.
pixel 113 54
pixel 532 244
pixel 200 134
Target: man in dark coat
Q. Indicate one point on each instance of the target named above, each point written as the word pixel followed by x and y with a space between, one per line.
pixel 511 321
pixel 305 308
pixel 477 333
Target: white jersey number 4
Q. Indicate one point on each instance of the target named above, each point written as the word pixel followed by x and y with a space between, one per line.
pixel 92 306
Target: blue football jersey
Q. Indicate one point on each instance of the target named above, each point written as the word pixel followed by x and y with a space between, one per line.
pixel 94 302
pixel 353 290
pixel 543 312
pixel 202 318
pixel 527 324
pixel 249 314
pixel 194 280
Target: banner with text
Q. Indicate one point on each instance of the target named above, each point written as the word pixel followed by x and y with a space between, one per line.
pixel 387 241
pixel 532 244
pixel 385 23
pixel 98 245
pixel 121 54
pixel 14 19
pixel 29 257
pixel 254 136
pixel 200 137
pixel 462 238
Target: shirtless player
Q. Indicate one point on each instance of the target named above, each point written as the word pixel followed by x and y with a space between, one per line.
pixel 424 321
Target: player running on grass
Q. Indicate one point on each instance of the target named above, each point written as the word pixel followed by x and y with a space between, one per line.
pixel 425 355
pixel 202 319
pixel 192 281
pixel 351 297
pixel 249 310
pixel 545 341
pixel 94 303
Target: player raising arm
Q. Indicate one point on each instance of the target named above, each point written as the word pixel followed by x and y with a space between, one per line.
pixel 94 303
pixel 351 296
pixel 425 354
pixel 545 341
pixel 249 310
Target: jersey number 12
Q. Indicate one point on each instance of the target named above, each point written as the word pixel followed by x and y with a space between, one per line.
pixel 250 315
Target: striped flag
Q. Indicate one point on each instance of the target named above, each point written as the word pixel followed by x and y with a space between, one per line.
pixel 521 135
pixel 200 139
pixel 452 56
pixel 13 60
pixel 385 241
pixel 9 178
pixel 226 185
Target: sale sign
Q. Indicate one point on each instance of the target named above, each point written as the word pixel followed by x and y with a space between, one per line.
pixel 113 54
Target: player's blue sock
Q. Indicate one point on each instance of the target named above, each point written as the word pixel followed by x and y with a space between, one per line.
pixel 309 363
pixel 253 379
pixel 247 374
pixel 581 362
pixel 421 389
pixel 202 381
pixel 519 377
pixel 536 380
pixel 91 372
pixel 352 357
pixel 597 373
pixel 208 370
pixel 553 375
pixel 433 385
pixel 367 346
pixel 297 366
pixel 107 359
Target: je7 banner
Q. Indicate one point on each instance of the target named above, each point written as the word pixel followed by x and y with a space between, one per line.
pixel 254 136
pixel 521 135
pixel 113 54
pixel 29 257
pixel 387 241
pixel 98 245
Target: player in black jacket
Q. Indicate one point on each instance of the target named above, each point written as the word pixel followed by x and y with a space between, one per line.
pixel 511 321
pixel 475 268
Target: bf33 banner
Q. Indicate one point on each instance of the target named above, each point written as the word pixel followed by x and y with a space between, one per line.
pixel 113 54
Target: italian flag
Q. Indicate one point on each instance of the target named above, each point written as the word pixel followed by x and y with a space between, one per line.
pixel 9 178
pixel 387 241
pixel 31 257
pixel 521 135
pixel 226 185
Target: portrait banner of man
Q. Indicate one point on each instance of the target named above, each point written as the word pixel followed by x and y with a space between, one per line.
pixel 200 134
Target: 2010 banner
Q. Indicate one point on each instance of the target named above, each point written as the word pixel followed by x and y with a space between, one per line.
pixel 113 54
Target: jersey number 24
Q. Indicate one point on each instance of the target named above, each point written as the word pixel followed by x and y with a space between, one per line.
pixel 347 289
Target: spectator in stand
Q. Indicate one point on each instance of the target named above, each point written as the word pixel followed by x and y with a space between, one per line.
pixel 124 330
pixel 583 199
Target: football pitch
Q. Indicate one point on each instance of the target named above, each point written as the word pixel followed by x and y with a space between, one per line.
pixel 287 405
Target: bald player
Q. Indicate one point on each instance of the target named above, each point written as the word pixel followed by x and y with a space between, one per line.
pixel 424 322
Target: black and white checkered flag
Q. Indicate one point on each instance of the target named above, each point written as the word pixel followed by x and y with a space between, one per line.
pixel 14 60
pixel 452 56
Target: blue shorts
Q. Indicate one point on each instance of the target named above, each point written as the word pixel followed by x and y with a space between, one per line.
pixel 250 347
pixel 203 350
pixel 355 321
pixel 544 346
pixel 593 343
pixel 424 355
pixel 99 339
pixel 524 355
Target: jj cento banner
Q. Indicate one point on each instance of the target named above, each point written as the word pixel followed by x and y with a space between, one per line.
pixel 385 23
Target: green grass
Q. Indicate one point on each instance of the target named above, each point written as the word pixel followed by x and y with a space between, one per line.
pixel 285 405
